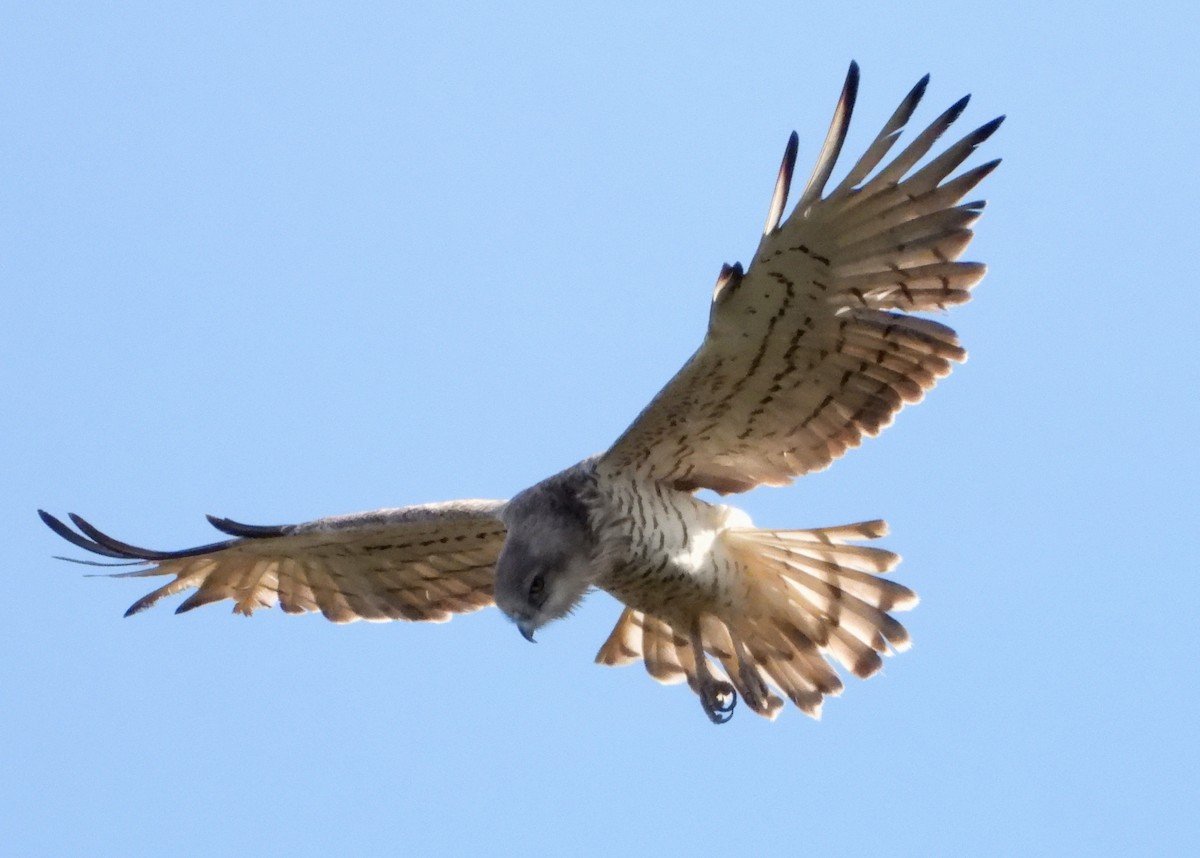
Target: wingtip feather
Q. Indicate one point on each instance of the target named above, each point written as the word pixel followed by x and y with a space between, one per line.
pixel 783 183
pixel 955 110
pixel 853 74
pixel 834 139
pixel 247 531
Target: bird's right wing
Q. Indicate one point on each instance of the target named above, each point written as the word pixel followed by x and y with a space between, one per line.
pixel 423 562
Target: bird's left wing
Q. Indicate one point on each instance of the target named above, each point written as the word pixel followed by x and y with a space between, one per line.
pixel 814 347
pixel 422 562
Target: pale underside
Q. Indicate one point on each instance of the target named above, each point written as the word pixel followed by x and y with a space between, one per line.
pixel 809 350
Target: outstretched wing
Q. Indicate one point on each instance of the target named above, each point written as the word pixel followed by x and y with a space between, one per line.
pixel 814 346
pixel 422 562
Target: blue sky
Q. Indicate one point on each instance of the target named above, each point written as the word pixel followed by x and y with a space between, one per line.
pixel 301 259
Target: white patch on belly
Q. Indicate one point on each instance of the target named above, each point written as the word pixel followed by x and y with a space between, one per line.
pixel 695 555
pixel 705 523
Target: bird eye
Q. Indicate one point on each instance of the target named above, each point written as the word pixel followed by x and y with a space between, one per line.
pixel 536 586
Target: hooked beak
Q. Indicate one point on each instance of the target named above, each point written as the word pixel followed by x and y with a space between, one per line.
pixel 526 631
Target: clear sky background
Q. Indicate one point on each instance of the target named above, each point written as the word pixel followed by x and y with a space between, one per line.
pixel 278 261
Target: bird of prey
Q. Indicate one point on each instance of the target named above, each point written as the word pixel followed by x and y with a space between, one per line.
pixel 809 348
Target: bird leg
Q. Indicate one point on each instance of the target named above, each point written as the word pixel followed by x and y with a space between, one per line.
pixel 716 696
pixel 754 689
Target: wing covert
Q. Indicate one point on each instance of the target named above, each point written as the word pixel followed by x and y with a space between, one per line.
pixel 422 562
pixel 814 346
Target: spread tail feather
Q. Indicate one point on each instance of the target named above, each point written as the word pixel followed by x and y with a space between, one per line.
pixel 811 597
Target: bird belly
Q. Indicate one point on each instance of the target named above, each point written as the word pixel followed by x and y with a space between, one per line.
pixel 662 553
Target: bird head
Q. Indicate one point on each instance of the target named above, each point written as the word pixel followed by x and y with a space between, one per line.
pixel 545 567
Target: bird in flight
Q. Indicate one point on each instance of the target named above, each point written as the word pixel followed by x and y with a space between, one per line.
pixel 808 349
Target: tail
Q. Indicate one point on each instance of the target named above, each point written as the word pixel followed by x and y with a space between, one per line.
pixel 809 596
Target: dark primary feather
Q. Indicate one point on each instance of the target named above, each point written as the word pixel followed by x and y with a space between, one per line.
pixel 103 544
pixel 883 141
pixel 834 138
pixel 249 531
pixel 782 183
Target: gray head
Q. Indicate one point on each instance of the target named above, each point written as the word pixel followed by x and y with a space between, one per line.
pixel 545 567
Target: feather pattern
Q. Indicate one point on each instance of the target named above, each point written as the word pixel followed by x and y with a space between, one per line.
pixel 813 348
pixel 809 596
pixel 413 563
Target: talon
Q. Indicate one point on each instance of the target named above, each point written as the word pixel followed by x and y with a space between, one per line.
pixel 716 696
pixel 718 700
